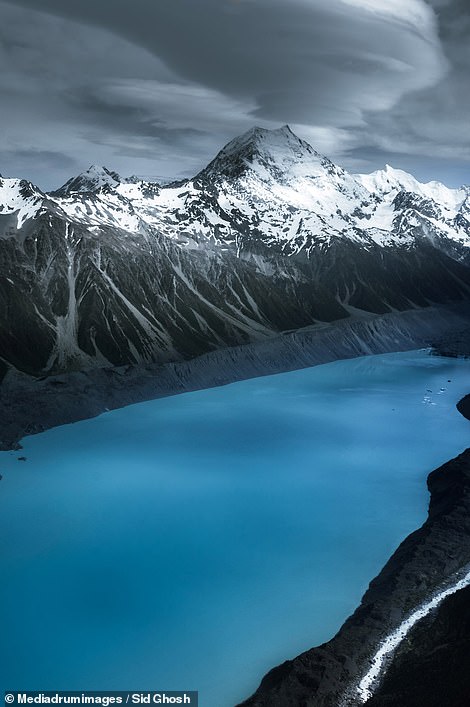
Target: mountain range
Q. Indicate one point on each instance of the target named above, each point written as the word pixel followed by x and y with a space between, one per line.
pixel 270 237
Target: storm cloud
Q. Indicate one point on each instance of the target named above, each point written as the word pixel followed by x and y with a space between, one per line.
pixel 155 87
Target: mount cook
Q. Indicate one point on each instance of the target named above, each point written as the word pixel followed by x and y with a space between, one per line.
pixel 269 237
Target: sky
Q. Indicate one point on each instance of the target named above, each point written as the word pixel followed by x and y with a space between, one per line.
pixel 156 87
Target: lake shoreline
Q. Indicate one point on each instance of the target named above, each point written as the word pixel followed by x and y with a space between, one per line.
pixel 32 405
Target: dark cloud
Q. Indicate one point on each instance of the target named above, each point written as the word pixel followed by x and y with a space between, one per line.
pixel 301 61
pixel 137 83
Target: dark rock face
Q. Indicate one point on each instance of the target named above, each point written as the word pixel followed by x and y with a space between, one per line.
pixel 431 668
pixel 93 299
pixel 70 301
pixel 82 299
pixel 425 561
pixel 464 407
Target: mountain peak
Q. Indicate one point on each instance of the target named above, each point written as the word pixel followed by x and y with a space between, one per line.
pixel 277 152
pixel 93 179
pixel 96 170
pixel 266 135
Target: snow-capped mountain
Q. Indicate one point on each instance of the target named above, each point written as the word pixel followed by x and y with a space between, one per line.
pixel 270 236
pixel 274 190
pixel 392 181
pixel 93 180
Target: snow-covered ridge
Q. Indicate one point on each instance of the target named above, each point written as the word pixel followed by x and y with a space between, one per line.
pixel 271 187
pixel 368 683
pixel 20 198
pixel 390 181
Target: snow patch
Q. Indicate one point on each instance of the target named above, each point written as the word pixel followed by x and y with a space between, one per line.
pixel 368 683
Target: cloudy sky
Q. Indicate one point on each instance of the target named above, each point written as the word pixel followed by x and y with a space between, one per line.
pixel 156 87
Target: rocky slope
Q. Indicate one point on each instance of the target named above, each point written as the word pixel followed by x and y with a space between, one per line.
pixel 431 669
pixel 269 237
pixel 72 396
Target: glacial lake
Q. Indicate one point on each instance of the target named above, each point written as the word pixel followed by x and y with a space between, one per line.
pixel 196 541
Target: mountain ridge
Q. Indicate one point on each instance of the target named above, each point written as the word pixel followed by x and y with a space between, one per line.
pixel 278 166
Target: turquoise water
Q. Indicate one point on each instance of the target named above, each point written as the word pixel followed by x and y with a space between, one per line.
pixel 194 542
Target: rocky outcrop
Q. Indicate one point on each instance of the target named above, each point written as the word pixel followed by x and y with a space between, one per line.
pixel 464 407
